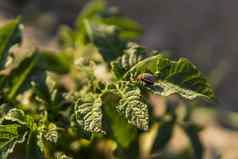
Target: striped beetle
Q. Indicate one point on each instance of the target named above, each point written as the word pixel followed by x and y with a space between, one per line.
pixel 146 77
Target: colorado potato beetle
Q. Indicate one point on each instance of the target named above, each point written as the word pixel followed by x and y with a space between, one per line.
pixel 147 78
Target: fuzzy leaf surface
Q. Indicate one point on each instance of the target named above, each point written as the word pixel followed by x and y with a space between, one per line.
pixel 88 114
pixel 132 107
pixel 132 55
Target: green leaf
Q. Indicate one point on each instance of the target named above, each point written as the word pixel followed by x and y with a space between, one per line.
pixel 104 27
pixel 61 155
pixel 56 62
pixel 9 137
pixel 47 134
pixel 48 93
pixel 88 114
pixel 132 107
pixel 116 125
pixel 180 77
pixel 66 37
pixel 42 139
pixel 21 74
pixel 97 10
pixel 106 39
pixel 10 34
pixel 132 55
pixel 90 10
pixel 50 133
pixel 18 116
pixel 129 29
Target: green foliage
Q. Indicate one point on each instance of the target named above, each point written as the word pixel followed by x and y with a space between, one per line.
pixel 10 136
pixel 14 129
pixel 117 126
pixel 20 75
pixel 93 93
pixel 132 107
pixel 88 114
pixel 105 27
pixel 171 77
pixel 132 55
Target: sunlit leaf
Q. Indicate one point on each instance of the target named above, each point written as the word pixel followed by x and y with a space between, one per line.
pixel 10 135
pixel 18 116
pixel 88 114
pixel 116 125
pixel 132 107
pixel 180 77
pixel 50 133
pixel 61 155
pixel 132 55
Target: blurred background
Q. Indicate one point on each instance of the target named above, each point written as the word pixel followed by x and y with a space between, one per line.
pixel 204 31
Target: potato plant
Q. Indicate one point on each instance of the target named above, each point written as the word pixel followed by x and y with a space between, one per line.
pixel 91 99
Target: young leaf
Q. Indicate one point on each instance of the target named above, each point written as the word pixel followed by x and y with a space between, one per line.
pixel 132 107
pixel 171 77
pixel 132 55
pixel 9 137
pixel 18 116
pixel 10 34
pixel 46 134
pixel 88 114
pixel 50 133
